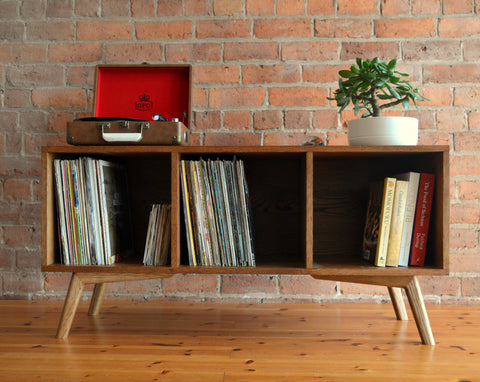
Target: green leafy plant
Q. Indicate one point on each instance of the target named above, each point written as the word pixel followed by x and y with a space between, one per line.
pixel 374 85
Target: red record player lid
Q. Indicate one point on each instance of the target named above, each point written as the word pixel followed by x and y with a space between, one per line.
pixel 141 91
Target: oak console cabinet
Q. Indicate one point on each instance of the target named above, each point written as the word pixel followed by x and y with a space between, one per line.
pixel 308 208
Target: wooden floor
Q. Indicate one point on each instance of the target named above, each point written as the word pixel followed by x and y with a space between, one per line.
pixel 195 342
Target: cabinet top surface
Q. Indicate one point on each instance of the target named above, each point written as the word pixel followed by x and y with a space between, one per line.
pixel 126 149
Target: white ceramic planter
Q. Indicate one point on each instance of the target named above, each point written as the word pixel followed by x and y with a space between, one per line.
pixel 383 131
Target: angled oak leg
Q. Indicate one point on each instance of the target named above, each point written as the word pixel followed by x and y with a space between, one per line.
pixel 398 303
pixel 417 304
pixel 97 297
pixel 70 306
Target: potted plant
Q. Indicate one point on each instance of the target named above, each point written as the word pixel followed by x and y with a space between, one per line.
pixel 374 85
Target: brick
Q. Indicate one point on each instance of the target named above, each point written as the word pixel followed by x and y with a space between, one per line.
pixel 323 50
pixel 104 30
pixel 28 259
pixel 237 120
pixel 7 258
pixel 451 120
pixel 193 52
pixel 395 7
pixel 257 8
pixel 30 76
pixel 267 74
pixel 325 119
pixel 320 7
pixel 297 119
pixel 169 8
pixel 17 98
pixel 13 143
pixel 470 286
pixel 464 262
pixel 223 28
pixel 337 139
pixel 290 7
pixel 232 139
pixel 17 236
pixel 469 190
pixel 467 141
pixel 59 8
pixel 75 52
pixel 437 96
pixel 382 50
pixel 22 282
pixel 406 27
pixel 11 31
pixel 474 120
pixel 142 8
pixel 190 284
pixel 360 289
pixel 8 10
pixel 198 8
pixel 464 165
pixel 122 53
pixel 440 286
pixel 458 27
pixel 431 50
pixel 464 213
pixel 434 138
pixel 321 73
pixel 80 75
pixel 23 53
pixel 352 28
pixel 87 8
pixel 282 138
pixel 466 96
pixel 115 8
pixel 306 285
pixel 246 284
pixel 59 98
pixel 452 73
pixel 298 96
pixel 267 119
pixel 199 97
pixel 56 282
pixel 149 30
pixel 33 121
pixel 471 50
pixel 216 74
pixel 136 287
pixel 463 238
pixel 34 142
pixel 359 7
pixel 457 6
pixel 53 30
pixel 227 7
pixel 298 27
pixel 236 97
pixel 426 6
pixel 17 189
pixel 19 166
pixel 10 212
pixel 251 51
pixel 207 120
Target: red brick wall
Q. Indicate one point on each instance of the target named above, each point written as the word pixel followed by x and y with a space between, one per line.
pixel 262 72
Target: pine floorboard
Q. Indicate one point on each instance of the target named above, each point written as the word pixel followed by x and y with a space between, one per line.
pixel 179 341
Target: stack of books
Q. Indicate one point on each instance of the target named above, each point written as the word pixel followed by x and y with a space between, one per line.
pixel 217 214
pixel 157 246
pixel 398 217
pixel 93 211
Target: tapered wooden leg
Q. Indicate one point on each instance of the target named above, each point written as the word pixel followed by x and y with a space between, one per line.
pixel 70 306
pixel 398 303
pixel 417 305
pixel 97 298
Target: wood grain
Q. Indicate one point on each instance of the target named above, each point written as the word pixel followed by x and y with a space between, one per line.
pixel 179 341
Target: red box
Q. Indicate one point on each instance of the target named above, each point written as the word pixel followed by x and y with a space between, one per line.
pixel 140 91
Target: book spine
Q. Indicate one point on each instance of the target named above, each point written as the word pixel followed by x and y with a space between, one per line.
pixel 422 219
pixel 396 228
pixel 385 221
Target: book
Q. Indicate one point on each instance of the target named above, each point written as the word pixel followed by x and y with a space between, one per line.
pixel 378 220
pixel 157 243
pixel 396 226
pixel 422 219
pixel 413 179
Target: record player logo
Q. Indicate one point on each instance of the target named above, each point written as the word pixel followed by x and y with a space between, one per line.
pixel 143 103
